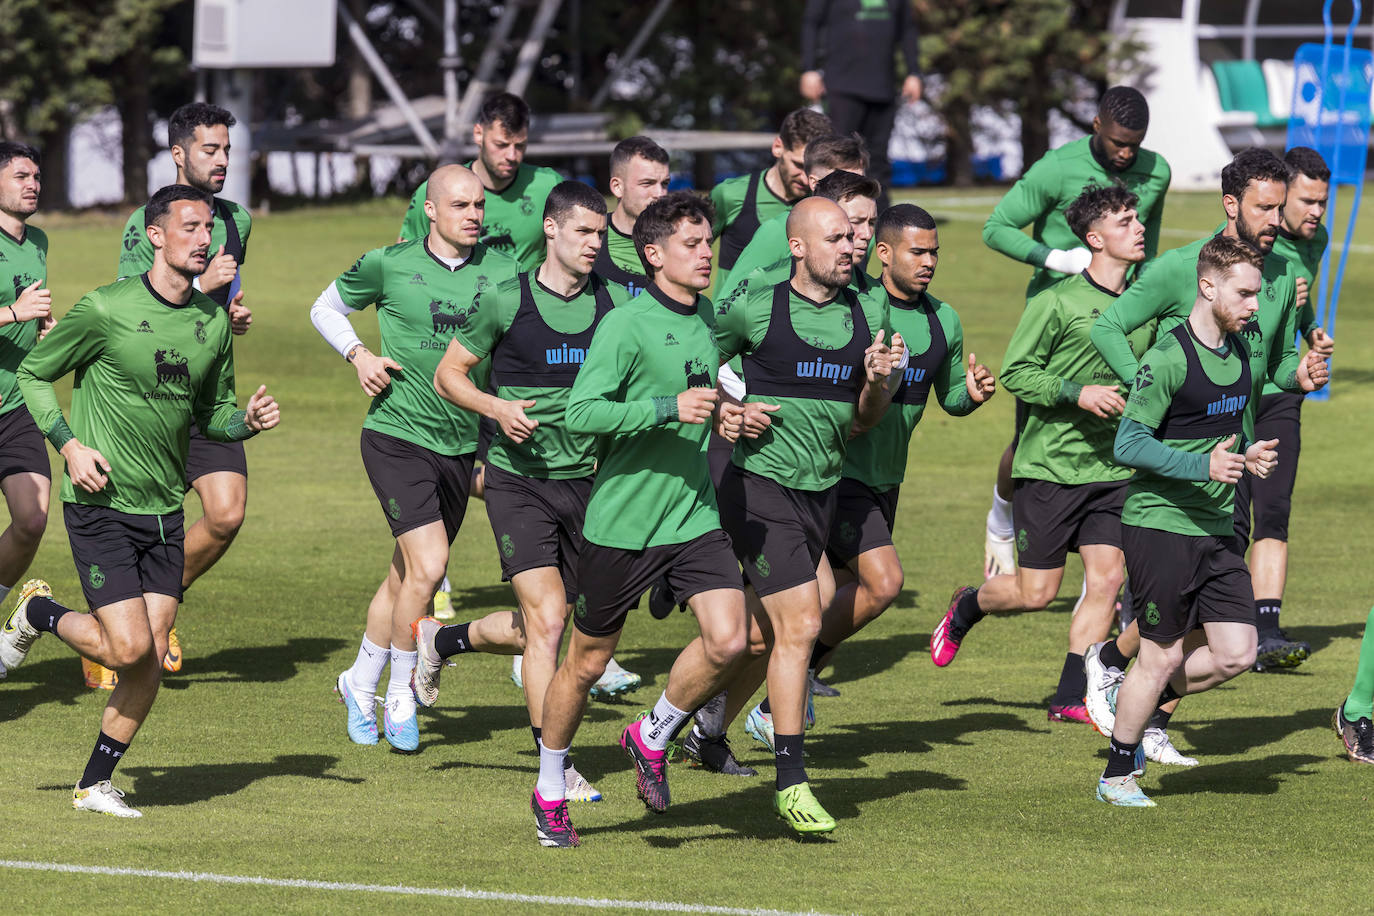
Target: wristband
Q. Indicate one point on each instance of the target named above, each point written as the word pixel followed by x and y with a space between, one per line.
pixel 14 314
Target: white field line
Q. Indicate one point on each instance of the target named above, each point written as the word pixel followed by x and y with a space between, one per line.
pixel 461 893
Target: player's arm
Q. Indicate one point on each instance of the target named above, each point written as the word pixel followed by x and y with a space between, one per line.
pixel 1028 199
pixel 1143 301
pixel 135 252
pixel 353 291
pixel 1028 353
pixel 962 386
pixel 216 405
pixel 473 343
pixel 597 402
pixel 813 19
pixel 725 207
pixel 1156 220
pixel 77 340
pixel 1283 361
pixel 1136 443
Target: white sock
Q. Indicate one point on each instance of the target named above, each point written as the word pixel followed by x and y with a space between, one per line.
pixel 662 722
pixel 444 586
pixel 366 672
pixel 1081 595
pixel 551 785
pixel 999 516
pixel 402 665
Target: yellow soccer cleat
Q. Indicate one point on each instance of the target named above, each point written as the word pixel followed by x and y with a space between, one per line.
pixel 803 813
pixel 171 662
pixel 97 676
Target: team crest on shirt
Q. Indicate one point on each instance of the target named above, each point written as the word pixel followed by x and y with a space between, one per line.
pixel 1144 378
pixel 1152 613
pixel 1269 288
pixel 698 373
pixel 849 322
pixel 200 332
pixel 526 205
pixel 173 373
pixel 448 316
pixel 132 237
pixel 95 577
pixel 22 282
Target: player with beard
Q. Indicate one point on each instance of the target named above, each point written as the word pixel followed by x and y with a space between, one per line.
pixel 816 363
pixel 198 135
pixel 639 176
pixel 1302 241
pixel 25 315
pixel 1254 189
pixel 746 202
pixel 151 353
pixel 1039 199
pixel 1184 429
pixel 1068 487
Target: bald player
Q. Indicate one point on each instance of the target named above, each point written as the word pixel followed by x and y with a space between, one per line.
pixel 417 448
pixel 816 360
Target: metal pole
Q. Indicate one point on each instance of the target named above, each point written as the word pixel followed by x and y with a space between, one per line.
pixel 631 53
pixel 534 43
pixel 450 62
pixel 379 70
pixel 486 66
pixel 235 90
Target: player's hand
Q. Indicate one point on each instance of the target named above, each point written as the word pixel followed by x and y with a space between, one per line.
pixel 87 468
pixel 34 302
pixel 219 272
pixel 1101 400
pixel 262 411
pixel 1313 372
pixel 912 88
pixel 979 381
pixel 1225 466
pixel 514 424
pixel 879 360
pixel 757 419
pixel 240 316
pixel 1261 458
pixel 695 405
pixel 45 325
pixel 373 370
pixel 1322 342
pixel 812 86
pixel 729 420
pixel 1302 291
pixel 1071 261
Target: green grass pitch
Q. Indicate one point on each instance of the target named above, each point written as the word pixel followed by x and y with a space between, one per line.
pixel 951 789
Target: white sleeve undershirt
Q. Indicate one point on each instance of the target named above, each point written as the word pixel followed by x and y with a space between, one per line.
pixel 732 383
pixel 329 315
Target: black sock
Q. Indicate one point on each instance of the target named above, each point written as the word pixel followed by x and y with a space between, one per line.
pixel 1111 656
pixel 1169 695
pixel 1120 759
pixel 1073 681
pixel 452 640
pixel 765 708
pixel 819 653
pixel 967 612
pixel 538 734
pixel 1267 616
pixel 43 614
pixel 787 755
pixel 103 759
pixel 1160 719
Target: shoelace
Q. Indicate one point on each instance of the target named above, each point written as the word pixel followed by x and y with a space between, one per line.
pixel 558 819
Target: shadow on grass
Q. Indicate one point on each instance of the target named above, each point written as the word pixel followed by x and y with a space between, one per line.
pixel 1260 776
pixel 56 680
pixel 1322 635
pixel 748 812
pixel 171 786
pixel 481 598
pixel 1238 735
pixel 254 664
pixel 848 745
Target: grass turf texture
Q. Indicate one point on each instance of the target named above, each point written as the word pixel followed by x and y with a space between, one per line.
pixel 950 788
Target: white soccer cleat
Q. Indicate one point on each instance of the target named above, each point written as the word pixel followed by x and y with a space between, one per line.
pixel 103 798
pixel 1160 749
pixel 614 681
pixel 577 788
pixel 18 635
pixel 424 680
pixel 999 556
pixel 1103 682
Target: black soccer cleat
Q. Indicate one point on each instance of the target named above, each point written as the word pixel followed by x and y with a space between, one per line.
pixel 1277 651
pixel 713 753
pixel 1357 736
pixel 661 600
pixel 819 689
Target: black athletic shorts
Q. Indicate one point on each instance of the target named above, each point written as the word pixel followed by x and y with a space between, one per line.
pixel 206 456
pixel 1271 498
pixel 121 556
pixel 779 534
pixel 537 522
pixel 864 519
pixel 23 450
pixel 1180 581
pixel 1054 518
pixel 416 486
pixel 718 454
pixel 612 579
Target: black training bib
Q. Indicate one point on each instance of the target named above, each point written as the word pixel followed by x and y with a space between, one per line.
pixel 737 234
pixel 1201 408
pixel 533 355
pixel 920 370
pixel 786 366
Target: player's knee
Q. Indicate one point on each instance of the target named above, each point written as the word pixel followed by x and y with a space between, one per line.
pixel 1110 581
pixel 1037 597
pixel 1235 661
pixel 28 527
pixel 127 651
pixel 589 667
pixel 800 632
pixel 886 586
pixel 724 647
pixel 223 520
pixel 425 573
